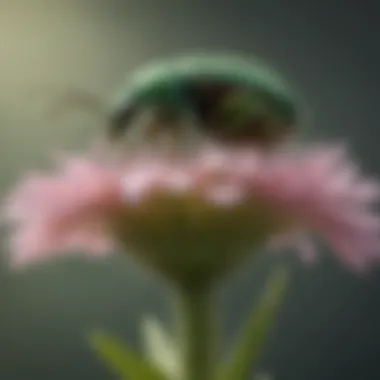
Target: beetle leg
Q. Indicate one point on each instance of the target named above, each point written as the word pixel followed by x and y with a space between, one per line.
pixel 192 132
pixel 156 129
pixel 138 132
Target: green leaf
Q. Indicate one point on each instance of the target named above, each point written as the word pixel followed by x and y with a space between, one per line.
pixel 254 332
pixel 263 376
pixel 122 360
pixel 160 347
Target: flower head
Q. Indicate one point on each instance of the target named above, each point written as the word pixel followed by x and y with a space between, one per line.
pixel 192 217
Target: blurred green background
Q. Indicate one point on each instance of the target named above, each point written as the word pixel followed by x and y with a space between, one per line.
pixel 329 327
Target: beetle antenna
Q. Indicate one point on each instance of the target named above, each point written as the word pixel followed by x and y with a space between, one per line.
pixel 71 99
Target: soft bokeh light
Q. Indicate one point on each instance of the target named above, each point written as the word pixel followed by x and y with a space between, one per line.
pixel 329 327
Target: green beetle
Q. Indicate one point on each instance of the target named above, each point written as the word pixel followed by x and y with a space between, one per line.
pixel 230 99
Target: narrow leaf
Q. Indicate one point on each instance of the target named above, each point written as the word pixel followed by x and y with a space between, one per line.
pixel 122 360
pixel 255 330
pixel 160 347
pixel 263 376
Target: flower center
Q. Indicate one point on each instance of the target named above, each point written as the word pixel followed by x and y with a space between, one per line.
pixel 189 239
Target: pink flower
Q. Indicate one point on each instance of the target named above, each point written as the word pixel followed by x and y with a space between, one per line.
pixel 184 214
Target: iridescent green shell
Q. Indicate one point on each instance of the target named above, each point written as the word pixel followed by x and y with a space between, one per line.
pixel 232 97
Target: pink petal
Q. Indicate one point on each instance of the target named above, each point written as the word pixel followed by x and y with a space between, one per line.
pixel 318 189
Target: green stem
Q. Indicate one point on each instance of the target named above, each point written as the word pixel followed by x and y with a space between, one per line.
pixel 197 335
